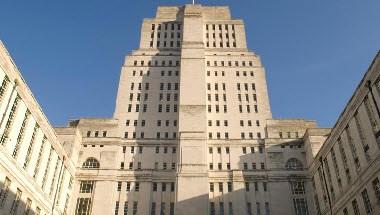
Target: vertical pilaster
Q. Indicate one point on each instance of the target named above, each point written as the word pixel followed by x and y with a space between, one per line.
pixel 192 169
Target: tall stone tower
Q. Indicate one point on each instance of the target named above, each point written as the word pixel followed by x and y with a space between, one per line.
pixel 192 84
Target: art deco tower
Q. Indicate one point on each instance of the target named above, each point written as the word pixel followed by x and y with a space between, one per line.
pixel 192 84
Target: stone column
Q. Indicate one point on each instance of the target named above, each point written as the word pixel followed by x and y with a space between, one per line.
pixel 192 177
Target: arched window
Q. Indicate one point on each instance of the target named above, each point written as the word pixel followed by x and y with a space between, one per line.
pixel 91 163
pixel 293 164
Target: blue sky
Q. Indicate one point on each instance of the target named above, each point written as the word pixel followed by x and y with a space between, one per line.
pixel 70 52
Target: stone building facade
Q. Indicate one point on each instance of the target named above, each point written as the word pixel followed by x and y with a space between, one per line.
pixel 192 133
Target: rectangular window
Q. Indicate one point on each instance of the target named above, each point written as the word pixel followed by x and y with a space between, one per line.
pixel 355 206
pixel 153 209
pixel 83 206
pixel 376 188
pixel 249 208
pixel 367 202
pixel 4 191
pixel 117 208
pixel 134 212
pixel 298 187
pixel 86 186
pixel 16 202
pixel 230 209
pixel 212 208
pixel 300 206
pixel 229 186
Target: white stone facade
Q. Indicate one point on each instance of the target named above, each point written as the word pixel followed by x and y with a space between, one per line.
pixel 192 133
pixel 36 176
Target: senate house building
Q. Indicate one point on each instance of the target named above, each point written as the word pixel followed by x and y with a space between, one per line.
pixel 192 134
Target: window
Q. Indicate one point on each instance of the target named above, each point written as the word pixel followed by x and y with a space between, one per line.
pixel 376 187
pixel 265 186
pixel 212 208
pixel 86 186
pixel 91 163
pixel 367 202
pixel 211 187
pixel 153 209
pixel 16 202
pixel 355 206
pixel 247 186
pixel 244 150
pixel 229 186
pixel 220 184
pixel 230 208
pixel 83 206
pixel 4 191
pixel 134 212
pixel 298 187
pixel 245 166
pixel 117 208
pixel 300 206
pixel 293 164
pixel 137 186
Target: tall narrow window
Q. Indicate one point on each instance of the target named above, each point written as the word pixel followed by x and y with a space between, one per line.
pixel 367 202
pixel 4 191
pixel 30 147
pixel 16 202
pixel 21 133
pixel 3 88
pixel 9 123
pixel 37 166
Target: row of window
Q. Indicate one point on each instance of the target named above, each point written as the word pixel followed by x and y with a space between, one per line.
pixel 168 97
pixel 165 44
pixel 289 135
pixel 229 63
pixel 245 166
pixel 230 188
pixel 162 208
pixel 220 27
pixel 247 108
pixel 140 149
pixel 221 44
pixel 163 73
pixel 47 179
pixel 156 166
pixel 156 63
pixel 126 208
pixel 166 35
pixel 167 26
pixel 222 73
pixel 159 123
pixel 227 35
pixel 97 133
pixel 244 150
pixel 239 86
pixel 352 139
pixel 249 208
pixel 16 206
pixel 159 135
pixel 368 205
pixel 218 135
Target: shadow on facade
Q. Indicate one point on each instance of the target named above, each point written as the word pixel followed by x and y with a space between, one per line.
pixel 12 203
pixel 155 136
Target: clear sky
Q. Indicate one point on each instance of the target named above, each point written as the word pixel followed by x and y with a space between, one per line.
pixel 70 52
